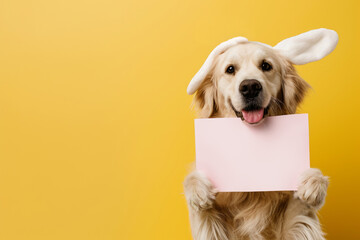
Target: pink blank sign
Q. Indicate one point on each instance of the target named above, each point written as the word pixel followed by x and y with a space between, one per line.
pixel 238 157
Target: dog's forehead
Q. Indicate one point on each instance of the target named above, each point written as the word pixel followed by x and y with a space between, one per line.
pixel 247 49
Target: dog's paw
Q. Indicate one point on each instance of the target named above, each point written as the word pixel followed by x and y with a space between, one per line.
pixel 312 188
pixel 199 192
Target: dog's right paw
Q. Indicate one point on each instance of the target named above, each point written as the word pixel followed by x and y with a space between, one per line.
pixel 199 192
pixel 312 188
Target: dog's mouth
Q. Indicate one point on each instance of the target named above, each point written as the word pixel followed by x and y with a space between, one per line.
pixel 252 114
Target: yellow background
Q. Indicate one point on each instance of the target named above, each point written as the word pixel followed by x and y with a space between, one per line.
pixel 96 132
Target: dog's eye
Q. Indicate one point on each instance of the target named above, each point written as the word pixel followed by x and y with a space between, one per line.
pixel 230 69
pixel 265 66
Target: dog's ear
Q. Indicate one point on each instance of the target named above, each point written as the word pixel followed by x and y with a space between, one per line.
pixel 206 98
pixel 309 46
pixel 206 68
pixel 293 89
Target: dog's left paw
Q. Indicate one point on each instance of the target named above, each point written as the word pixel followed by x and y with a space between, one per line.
pixel 312 188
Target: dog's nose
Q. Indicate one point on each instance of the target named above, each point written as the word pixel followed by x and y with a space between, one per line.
pixel 250 88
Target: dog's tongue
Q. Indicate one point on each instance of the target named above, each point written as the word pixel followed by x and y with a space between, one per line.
pixel 253 116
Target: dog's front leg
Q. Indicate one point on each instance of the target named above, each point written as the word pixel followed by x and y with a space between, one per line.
pixel 206 221
pixel 312 188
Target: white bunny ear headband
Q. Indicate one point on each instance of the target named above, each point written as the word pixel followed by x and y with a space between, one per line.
pixel 301 49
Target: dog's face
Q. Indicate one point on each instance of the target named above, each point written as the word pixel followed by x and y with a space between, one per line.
pixel 252 80
pixel 249 78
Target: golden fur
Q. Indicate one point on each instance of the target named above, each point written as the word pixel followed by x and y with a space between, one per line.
pixel 253 215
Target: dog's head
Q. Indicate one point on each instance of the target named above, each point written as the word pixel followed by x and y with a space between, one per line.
pixel 252 80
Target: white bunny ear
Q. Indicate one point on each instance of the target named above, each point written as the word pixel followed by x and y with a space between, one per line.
pixel 206 67
pixel 309 46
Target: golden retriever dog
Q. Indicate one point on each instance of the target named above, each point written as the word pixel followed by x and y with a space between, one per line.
pixel 252 80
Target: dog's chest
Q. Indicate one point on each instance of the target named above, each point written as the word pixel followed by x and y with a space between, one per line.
pixel 255 215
